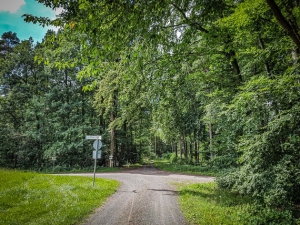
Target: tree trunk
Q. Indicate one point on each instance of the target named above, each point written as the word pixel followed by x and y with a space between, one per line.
pixel 115 161
pixel 112 141
pixel 196 152
pixel 180 145
pixel 123 144
pixel 235 66
pixel 211 141
pixel 191 150
pixel 284 22
pixel 113 115
pixel 155 143
pixel 184 145
pixel 262 46
pixel 15 160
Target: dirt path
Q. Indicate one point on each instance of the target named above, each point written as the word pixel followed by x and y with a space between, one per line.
pixel 146 196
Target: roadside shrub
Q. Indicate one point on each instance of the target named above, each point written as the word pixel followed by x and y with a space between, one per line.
pixel 264 215
pixel 266 117
pixel 173 158
pixel 227 181
pixel 274 186
pixel 152 155
pixel 167 155
pixel 224 161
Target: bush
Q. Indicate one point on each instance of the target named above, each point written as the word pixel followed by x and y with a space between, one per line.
pixel 266 118
pixel 152 156
pixel 224 161
pixel 273 204
pixel 265 215
pixel 173 158
pixel 167 155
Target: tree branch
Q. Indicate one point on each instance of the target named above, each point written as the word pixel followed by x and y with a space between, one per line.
pixel 283 22
pixel 175 25
pixel 189 22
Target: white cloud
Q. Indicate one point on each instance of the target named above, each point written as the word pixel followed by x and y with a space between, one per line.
pixel 11 5
pixel 57 10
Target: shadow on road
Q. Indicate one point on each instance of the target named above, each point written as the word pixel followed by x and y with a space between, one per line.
pixel 152 170
pixel 171 192
pixel 147 170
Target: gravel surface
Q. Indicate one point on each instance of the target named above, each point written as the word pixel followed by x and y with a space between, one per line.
pixel 147 196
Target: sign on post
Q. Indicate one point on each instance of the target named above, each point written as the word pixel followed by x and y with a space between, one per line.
pixel 93 137
pixel 97 144
pixel 96 154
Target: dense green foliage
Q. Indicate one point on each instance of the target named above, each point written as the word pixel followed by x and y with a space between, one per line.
pixel 206 204
pixel 183 166
pixel 31 198
pixel 45 113
pixel 216 82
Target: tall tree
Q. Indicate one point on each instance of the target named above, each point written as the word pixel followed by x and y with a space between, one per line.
pixel 17 72
pixel 7 42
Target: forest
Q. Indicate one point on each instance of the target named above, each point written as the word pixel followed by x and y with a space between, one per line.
pixel 214 83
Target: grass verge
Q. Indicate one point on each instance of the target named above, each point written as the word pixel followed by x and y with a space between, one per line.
pixel 183 168
pixel 35 199
pixel 61 169
pixel 205 204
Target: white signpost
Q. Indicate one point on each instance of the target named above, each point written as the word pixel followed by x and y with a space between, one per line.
pixel 97 144
pixel 96 154
pixel 93 137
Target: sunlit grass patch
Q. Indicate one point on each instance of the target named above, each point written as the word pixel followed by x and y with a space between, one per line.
pixel 31 198
pixel 205 204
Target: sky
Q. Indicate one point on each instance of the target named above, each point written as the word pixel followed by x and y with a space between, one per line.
pixel 11 12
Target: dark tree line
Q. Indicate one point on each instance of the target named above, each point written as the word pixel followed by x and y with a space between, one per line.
pixel 45 113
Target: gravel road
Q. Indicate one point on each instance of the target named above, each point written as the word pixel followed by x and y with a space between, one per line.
pixel 147 196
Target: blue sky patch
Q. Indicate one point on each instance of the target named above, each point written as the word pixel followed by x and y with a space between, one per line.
pixel 11 12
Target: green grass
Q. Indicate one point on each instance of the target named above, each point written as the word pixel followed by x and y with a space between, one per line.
pixel 61 169
pixel 205 204
pixel 188 169
pixel 100 169
pixel 31 198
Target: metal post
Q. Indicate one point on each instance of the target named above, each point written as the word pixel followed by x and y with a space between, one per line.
pixel 53 162
pixel 97 138
pixel 95 162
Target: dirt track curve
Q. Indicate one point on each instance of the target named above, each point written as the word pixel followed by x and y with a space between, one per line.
pixel 147 196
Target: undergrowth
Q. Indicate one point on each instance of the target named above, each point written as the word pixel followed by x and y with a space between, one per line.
pixel 186 168
pixel 206 204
